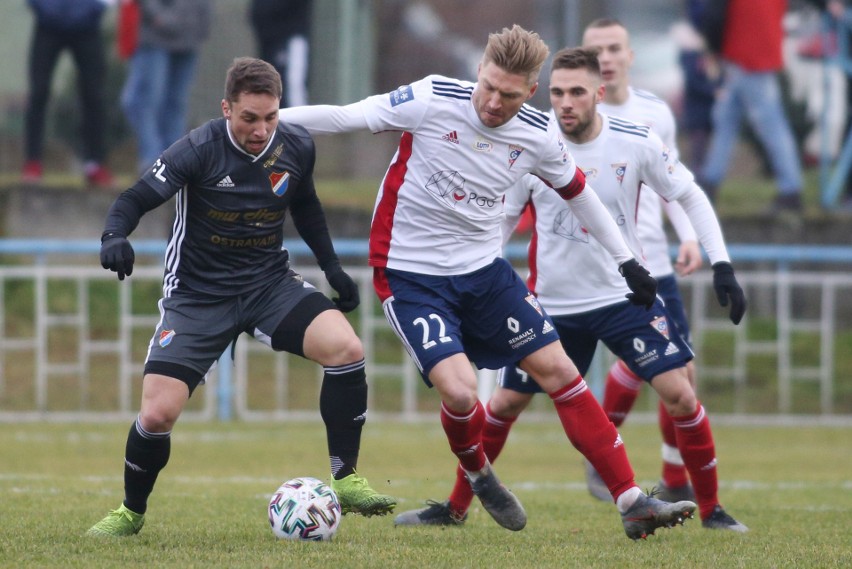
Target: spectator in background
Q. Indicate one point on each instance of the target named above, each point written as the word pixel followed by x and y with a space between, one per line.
pixel 843 15
pixel 748 41
pixel 74 25
pixel 282 30
pixel 701 79
pixel 162 68
pixel 127 29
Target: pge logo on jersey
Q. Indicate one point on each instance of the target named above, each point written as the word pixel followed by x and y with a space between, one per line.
pixel 401 95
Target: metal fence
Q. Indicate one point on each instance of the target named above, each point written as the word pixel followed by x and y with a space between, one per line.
pixel 73 339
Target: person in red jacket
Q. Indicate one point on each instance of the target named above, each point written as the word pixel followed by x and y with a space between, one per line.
pixel 748 43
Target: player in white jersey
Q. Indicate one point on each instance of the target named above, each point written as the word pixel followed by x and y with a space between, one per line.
pixel 584 294
pixel 435 244
pixel 622 386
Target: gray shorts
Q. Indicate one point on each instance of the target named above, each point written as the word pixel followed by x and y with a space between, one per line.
pixel 195 329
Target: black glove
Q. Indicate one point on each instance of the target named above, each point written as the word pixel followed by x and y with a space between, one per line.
pixel 726 286
pixel 348 299
pixel 117 255
pixel 640 281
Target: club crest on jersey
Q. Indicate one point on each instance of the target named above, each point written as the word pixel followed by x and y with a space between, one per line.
pixel 533 301
pixel 515 152
pixel 401 95
pixel 166 337
pixel 279 181
pixel 661 325
pixel 619 170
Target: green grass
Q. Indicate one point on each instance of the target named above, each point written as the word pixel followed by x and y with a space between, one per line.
pixel 791 486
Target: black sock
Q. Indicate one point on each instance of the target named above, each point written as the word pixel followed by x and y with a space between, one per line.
pixel 145 456
pixel 343 406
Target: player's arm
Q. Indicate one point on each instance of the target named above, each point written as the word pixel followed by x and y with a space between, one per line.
pixel 399 110
pixel 128 208
pixel 310 221
pixel 326 119
pixel 703 218
pixel 689 253
pixel 596 219
pixel 672 180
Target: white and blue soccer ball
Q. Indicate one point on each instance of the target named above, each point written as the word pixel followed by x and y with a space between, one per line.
pixel 304 509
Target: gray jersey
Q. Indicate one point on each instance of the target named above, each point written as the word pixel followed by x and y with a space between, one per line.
pixel 230 209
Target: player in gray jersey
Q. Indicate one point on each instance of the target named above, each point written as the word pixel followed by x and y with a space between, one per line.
pixel 234 179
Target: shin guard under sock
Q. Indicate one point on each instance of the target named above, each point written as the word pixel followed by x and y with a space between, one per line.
pixel 674 471
pixel 594 435
pixel 145 455
pixel 494 435
pixel 464 433
pixel 695 441
pixel 620 392
pixel 343 407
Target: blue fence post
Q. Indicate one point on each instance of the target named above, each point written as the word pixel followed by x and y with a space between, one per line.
pixel 225 388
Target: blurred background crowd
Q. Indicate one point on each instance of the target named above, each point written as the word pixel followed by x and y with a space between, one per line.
pixel 94 90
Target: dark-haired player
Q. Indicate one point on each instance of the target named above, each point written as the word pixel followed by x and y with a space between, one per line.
pixel 234 179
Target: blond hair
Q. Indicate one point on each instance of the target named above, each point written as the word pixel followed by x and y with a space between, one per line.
pixel 516 51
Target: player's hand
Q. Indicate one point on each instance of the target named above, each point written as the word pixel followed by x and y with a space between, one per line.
pixel 728 289
pixel 117 255
pixel 348 298
pixel 640 281
pixel 688 258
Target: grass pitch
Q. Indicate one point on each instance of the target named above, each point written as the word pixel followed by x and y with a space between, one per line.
pixel 791 486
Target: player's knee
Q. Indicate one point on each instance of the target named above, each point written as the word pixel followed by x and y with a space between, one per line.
pixel 348 350
pixel 555 375
pixel 459 400
pixel 681 402
pixel 508 404
pixel 158 420
pixel 339 348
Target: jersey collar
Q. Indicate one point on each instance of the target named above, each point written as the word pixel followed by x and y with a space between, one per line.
pixel 243 152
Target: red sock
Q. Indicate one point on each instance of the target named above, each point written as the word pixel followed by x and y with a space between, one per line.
pixel 464 433
pixel 674 473
pixel 494 435
pixel 695 442
pixel 594 435
pixel 620 393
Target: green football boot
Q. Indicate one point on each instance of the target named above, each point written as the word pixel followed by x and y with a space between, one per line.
pixel 356 497
pixel 119 523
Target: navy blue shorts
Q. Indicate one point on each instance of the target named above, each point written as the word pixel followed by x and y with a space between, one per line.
pixel 644 339
pixel 668 290
pixel 489 314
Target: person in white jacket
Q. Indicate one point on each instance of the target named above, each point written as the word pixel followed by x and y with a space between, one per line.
pixel 573 281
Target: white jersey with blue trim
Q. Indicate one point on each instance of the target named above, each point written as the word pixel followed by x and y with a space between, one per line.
pixel 440 206
pixel 645 108
pixel 570 272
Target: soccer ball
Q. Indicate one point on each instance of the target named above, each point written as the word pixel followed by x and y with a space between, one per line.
pixel 305 509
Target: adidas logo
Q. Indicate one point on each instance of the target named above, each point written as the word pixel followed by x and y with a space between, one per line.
pixel 547 328
pixel 671 349
pixel 451 137
pixel 225 183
